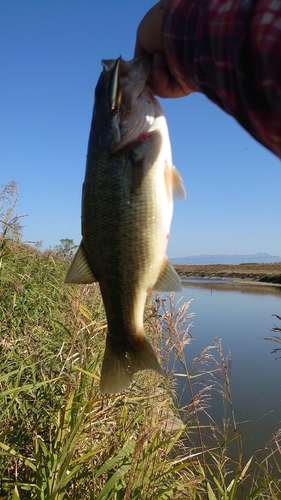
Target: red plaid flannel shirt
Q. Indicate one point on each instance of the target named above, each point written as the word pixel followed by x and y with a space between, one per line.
pixel 231 51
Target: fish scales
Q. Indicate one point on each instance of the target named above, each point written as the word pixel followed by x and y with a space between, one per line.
pixel 122 227
pixel 126 214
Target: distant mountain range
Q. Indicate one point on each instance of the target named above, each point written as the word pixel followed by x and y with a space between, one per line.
pixel 227 259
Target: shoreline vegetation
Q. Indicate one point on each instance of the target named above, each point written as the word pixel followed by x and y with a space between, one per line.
pixel 60 439
pixel 258 274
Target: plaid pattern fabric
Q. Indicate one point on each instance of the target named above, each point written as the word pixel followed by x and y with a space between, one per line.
pixel 231 51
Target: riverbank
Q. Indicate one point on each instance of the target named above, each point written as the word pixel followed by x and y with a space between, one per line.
pixel 79 443
pixel 258 273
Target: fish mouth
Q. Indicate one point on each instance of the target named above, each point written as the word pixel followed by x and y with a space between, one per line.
pixel 127 83
pixel 114 97
pixel 123 100
pixel 120 71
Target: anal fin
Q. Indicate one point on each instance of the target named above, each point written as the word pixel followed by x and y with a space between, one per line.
pixel 80 271
pixel 168 279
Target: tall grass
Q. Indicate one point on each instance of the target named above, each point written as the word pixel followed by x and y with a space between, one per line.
pixel 61 439
pixel 276 338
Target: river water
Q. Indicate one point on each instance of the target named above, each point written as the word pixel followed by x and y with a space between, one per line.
pixel 241 316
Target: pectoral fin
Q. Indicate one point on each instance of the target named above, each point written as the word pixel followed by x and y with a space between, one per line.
pixel 168 279
pixel 80 271
pixel 177 185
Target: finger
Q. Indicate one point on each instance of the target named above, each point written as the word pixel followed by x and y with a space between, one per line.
pixel 164 85
pixel 149 34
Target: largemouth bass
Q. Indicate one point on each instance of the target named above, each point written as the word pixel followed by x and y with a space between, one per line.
pixel 127 208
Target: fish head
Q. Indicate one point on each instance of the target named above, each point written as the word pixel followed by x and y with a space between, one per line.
pixel 125 107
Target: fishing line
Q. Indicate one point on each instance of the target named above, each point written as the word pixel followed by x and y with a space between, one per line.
pixel 73 216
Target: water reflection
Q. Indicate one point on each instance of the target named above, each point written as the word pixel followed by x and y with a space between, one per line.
pixel 241 316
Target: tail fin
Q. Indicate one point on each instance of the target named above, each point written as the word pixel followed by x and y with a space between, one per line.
pixel 120 364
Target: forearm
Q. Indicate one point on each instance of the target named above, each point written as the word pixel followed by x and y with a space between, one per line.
pixel 230 51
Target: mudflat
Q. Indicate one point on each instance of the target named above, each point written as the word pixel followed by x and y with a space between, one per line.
pixel 260 273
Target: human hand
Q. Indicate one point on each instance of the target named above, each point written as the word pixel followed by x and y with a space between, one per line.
pixel 150 40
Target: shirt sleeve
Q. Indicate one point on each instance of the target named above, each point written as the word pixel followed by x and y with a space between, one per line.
pixel 231 51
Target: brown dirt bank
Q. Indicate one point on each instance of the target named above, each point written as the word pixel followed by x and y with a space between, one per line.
pixel 260 273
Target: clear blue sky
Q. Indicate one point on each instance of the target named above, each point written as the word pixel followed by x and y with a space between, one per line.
pixel 50 53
